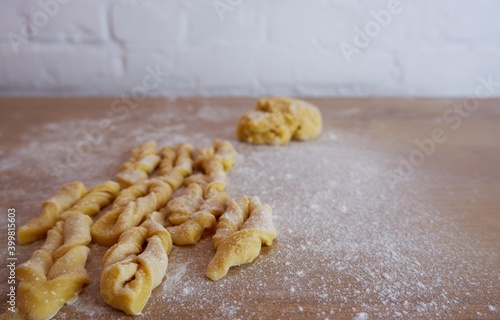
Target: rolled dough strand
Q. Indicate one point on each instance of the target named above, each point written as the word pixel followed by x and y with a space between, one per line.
pixel 183 207
pixel 184 162
pixel 214 162
pixel 151 195
pixel 172 174
pixel 130 194
pixel 236 213
pixel 243 245
pixel 168 156
pixel 159 216
pixel 55 273
pixel 225 153
pixel 203 200
pixel 97 198
pixel 198 178
pixel 142 162
pixel 73 234
pixel 37 228
pixel 126 200
pixel 130 273
pixel 179 157
pixel 191 230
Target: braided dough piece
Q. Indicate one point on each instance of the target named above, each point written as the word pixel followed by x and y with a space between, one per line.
pixel 159 216
pixel 37 228
pixel 177 158
pixel 55 273
pixel 97 198
pixel 176 164
pixel 183 207
pixel 215 162
pixel 278 120
pixel 232 219
pixel 130 273
pixel 239 242
pixel 142 162
pixel 130 209
pixel 204 199
pixel 191 229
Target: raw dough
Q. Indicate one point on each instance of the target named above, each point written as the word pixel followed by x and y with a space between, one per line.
pixel 278 120
pixel 56 272
pixel 215 162
pixel 143 160
pixel 129 210
pixel 97 198
pixel 176 164
pixel 134 203
pixel 37 228
pixel 192 226
pixel 130 272
pixel 204 199
pixel 238 241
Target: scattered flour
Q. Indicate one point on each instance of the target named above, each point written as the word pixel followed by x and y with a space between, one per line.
pixel 360 316
pixel 347 237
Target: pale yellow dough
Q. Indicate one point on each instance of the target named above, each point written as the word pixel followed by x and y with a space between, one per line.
pixel 97 198
pixel 278 120
pixel 129 272
pixel 135 203
pixel 37 228
pixel 56 272
pixel 176 164
pixel 143 160
pixel 142 198
pixel 242 229
pixel 204 199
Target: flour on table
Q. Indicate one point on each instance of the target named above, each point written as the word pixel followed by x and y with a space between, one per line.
pixel 347 236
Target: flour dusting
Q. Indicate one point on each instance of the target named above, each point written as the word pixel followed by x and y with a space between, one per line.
pixel 351 243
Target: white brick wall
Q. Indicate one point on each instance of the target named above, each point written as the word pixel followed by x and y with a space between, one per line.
pixel 260 47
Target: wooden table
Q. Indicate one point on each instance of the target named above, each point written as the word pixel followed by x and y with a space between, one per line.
pixel 370 226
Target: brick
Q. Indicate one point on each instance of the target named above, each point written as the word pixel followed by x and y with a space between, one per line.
pixel 11 19
pixel 137 65
pixel 260 47
pixel 75 21
pixel 147 23
pixel 470 21
pixel 448 70
pixel 219 67
pixel 308 22
pixel 276 66
pixel 57 69
pixel 373 69
pixel 243 25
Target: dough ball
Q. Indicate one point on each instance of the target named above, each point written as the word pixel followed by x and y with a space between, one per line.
pixel 278 120
pixel 260 127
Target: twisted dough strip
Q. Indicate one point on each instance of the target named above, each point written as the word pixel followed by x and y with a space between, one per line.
pixel 176 164
pixel 182 208
pixel 134 203
pixel 203 200
pixel 238 242
pixel 159 216
pixel 97 198
pixel 56 272
pixel 215 162
pixel 139 166
pixel 194 218
pixel 131 273
pixel 129 210
pixel 36 228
